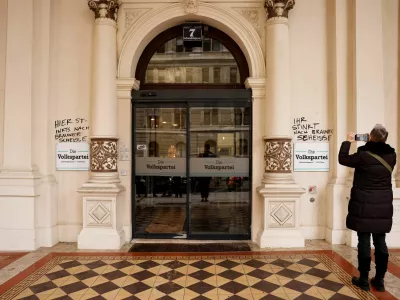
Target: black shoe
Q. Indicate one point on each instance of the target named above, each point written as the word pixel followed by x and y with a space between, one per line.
pixel 378 284
pixel 361 283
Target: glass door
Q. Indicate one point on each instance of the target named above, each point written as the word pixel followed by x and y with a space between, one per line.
pixel 219 170
pixel 191 168
pixel 160 145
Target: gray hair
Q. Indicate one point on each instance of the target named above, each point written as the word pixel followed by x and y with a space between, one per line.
pixel 379 133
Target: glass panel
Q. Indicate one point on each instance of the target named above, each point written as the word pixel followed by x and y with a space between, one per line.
pixel 219 172
pixel 173 63
pixel 160 171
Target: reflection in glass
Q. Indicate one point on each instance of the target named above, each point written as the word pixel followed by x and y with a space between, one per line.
pixel 218 192
pixel 219 161
pixel 160 141
pixel 173 63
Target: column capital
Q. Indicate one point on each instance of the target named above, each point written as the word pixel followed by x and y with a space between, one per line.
pixel 104 9
pixel 278 8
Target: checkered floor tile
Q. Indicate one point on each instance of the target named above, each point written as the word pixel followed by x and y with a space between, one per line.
pixel 302 276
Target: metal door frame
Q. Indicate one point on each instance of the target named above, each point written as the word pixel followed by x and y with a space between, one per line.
pixel 190 99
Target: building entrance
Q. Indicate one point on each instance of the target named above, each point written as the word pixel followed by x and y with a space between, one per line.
pixel 191 166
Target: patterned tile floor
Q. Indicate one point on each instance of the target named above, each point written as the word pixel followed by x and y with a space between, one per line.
pixel 251 275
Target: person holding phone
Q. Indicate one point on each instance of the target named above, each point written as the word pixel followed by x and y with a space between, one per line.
pixel 370 210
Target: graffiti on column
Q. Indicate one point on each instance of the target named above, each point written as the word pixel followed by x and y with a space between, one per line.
pixel 305 131
pixel 71 130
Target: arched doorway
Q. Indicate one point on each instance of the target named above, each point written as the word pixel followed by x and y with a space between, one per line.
pixel 191 95
pixel 167 64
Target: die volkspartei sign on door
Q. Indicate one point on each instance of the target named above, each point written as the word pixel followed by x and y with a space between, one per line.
pixel 311 157
pixel 72 157
pixel 199 167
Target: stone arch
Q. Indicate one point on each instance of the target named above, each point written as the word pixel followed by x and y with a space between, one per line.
pixel 158 20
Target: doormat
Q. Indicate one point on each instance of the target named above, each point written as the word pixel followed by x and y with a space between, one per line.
pixel 168 220
pixel 230 203
pixel 189 247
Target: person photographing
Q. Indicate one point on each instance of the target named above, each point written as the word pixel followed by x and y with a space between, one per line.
pixel 370 210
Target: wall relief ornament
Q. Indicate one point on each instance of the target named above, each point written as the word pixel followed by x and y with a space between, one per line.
pixel 99 213
pixel 278 8
pixel 191 6
pixel 104 9
pixel 278 156
pixel 132 16
pixel 103 155
pixel 251 15
pixel 281 214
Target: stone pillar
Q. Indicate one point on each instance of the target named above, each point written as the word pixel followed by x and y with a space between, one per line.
pixel 19 177
pixel 341 94
pixel 368 73
pixel 101 206
pixel 279 191
pixel 257 86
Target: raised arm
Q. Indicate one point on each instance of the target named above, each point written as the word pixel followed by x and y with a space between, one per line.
pixel 345 159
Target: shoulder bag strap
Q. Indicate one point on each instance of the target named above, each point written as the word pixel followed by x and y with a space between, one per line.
pixel 382 161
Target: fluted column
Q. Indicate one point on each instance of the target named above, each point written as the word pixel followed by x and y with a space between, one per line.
pixel 101 203
pixel 279 191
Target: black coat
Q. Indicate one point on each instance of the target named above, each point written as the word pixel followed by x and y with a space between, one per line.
pixel 371 198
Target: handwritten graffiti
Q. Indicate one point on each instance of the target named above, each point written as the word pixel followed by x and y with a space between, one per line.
pixel 305 131
pixel 71 130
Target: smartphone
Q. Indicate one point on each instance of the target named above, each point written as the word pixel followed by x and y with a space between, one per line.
pixel 362 137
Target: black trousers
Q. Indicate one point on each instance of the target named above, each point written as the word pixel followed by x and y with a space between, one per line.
pixel 364 253
pixel 204 186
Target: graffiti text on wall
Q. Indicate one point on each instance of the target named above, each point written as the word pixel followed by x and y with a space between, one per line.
pixel 306 131
pixel 71 130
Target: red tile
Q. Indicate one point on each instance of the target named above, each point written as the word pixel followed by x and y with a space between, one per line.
pixel 12 256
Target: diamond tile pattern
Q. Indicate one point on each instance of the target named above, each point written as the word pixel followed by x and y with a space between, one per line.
pixel 303 276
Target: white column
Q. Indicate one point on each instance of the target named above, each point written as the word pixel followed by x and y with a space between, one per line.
pixel 3 43
pixel 211 74
pixel 368 81
pixel 225 74
pixel 279 191
pixel 257 86
pixel 341 94
pixel 102 194
pixel 43 147
pixel 18 177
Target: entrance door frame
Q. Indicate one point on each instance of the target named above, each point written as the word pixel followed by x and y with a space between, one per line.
pixel 233 98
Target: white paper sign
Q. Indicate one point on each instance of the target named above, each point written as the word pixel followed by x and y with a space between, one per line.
pixel 214 166
pixel 153 166
pixel 311 157
pixel 72 157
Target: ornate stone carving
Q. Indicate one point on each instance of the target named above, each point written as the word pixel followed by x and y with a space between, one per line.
pixel 104 9
pixel 278 8
pixel 278 155
pixel 281 215
pixel 252 15
pixel 131 16
pixel 191 6
pixel 103 155
pixel 100 213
